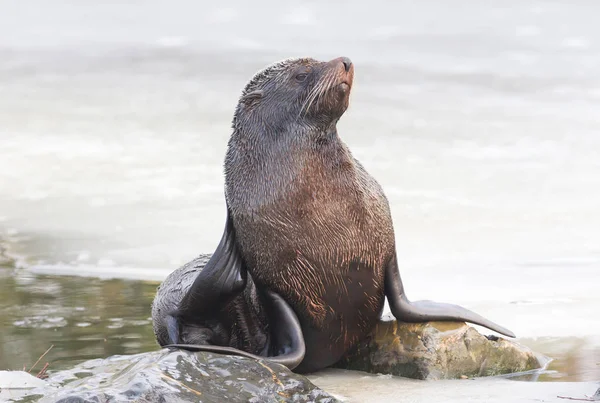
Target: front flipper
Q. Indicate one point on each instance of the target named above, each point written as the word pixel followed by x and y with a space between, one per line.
pixel 223 278
pixel 286 334
pixel 424 311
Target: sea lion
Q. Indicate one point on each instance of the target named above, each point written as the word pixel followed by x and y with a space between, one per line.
pixel 308 254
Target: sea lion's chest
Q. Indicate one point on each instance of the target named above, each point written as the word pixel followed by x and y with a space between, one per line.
pixel 323 245
pixel 330 225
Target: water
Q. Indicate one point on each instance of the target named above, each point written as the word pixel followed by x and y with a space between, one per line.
pixel 81 318
pixel 479 119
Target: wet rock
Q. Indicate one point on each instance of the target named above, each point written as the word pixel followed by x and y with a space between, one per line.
pixel 15 383
pixel 177 376
pixel 18 380
pixel 438 350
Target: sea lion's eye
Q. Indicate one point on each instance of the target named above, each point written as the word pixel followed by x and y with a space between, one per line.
pixel 301 77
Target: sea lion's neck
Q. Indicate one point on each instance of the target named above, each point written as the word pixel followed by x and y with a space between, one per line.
pixel 261 168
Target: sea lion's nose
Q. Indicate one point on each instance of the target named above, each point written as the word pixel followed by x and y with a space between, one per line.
pixel 347 63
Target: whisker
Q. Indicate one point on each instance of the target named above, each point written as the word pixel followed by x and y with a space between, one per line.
pixel 329 80
pixel 321 89
pixel 312 96
pixel 307 100
pixel 317 94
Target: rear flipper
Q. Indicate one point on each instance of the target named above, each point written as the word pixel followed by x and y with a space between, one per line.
pixel 286 335
pixel 424 311
pixel 221 280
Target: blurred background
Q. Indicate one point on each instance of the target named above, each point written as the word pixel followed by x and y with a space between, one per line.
pixel 481 120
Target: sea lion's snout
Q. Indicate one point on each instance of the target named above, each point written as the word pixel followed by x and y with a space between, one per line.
pixel 343 62
pixel 347 63
pixel 345 69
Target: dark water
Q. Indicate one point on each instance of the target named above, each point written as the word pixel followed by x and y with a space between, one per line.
pixel 83 318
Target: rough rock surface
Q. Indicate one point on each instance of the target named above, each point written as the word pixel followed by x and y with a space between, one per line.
pixel 438 350
pixel 177 376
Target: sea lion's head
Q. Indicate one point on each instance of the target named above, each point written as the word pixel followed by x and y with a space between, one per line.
pixel 294 94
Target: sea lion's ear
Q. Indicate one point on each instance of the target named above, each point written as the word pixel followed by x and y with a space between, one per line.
pixel 252 97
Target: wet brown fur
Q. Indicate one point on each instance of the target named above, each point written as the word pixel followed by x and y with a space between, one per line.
pixel 311 223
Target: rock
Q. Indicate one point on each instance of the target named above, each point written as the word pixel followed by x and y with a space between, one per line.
pixel 16 383
pixel 19 380
pixel 178 376
pixel 438 350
